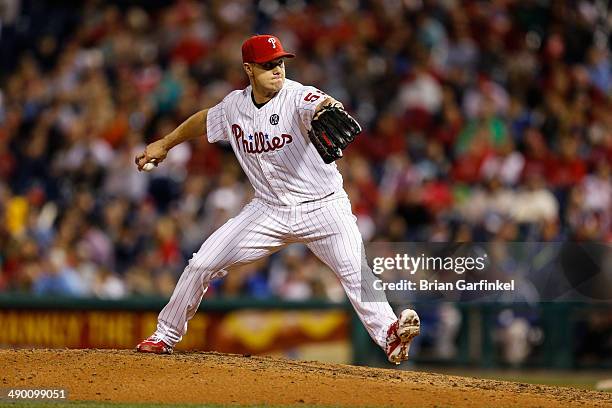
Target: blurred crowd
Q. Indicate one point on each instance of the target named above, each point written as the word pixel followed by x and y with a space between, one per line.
pixel 483 120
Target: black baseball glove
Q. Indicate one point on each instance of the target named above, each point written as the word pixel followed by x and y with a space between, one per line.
pixel 332 130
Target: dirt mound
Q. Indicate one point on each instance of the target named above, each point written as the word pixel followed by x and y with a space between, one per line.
pixel 124 376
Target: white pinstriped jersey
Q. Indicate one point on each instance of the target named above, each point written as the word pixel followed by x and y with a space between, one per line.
pixel 272 145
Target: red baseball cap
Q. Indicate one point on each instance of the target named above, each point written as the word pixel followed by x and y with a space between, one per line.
pixel 263 48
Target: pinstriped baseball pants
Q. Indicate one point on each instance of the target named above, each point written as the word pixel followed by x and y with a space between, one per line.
pixel 326 226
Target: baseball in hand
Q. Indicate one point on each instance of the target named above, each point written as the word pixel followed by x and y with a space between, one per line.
pixel 148 166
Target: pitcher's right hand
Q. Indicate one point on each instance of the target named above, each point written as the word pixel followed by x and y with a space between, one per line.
pixel 154 153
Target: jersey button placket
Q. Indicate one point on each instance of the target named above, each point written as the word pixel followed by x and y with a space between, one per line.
pixel 271 171
pixel 264 165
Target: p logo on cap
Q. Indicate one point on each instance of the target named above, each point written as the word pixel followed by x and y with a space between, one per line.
pixel 263 48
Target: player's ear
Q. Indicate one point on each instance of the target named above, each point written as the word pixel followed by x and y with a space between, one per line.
pixel 248 69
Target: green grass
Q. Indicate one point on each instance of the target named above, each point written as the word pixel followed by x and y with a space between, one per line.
pixel 85 404
pixel 585 380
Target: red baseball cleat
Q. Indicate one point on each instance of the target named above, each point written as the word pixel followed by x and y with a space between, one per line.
pixel 153 345
pixel 400 334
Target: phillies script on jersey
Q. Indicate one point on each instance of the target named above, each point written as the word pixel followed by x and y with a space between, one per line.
pixel 259 142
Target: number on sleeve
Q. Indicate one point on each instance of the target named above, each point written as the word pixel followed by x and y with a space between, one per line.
pixel 311 97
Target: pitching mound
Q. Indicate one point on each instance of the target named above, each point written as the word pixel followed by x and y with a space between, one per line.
pixel 124 376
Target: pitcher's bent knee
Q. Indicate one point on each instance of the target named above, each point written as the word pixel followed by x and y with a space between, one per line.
pixel 205 269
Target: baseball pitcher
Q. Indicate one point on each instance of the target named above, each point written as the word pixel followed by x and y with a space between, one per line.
pixel 286 136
